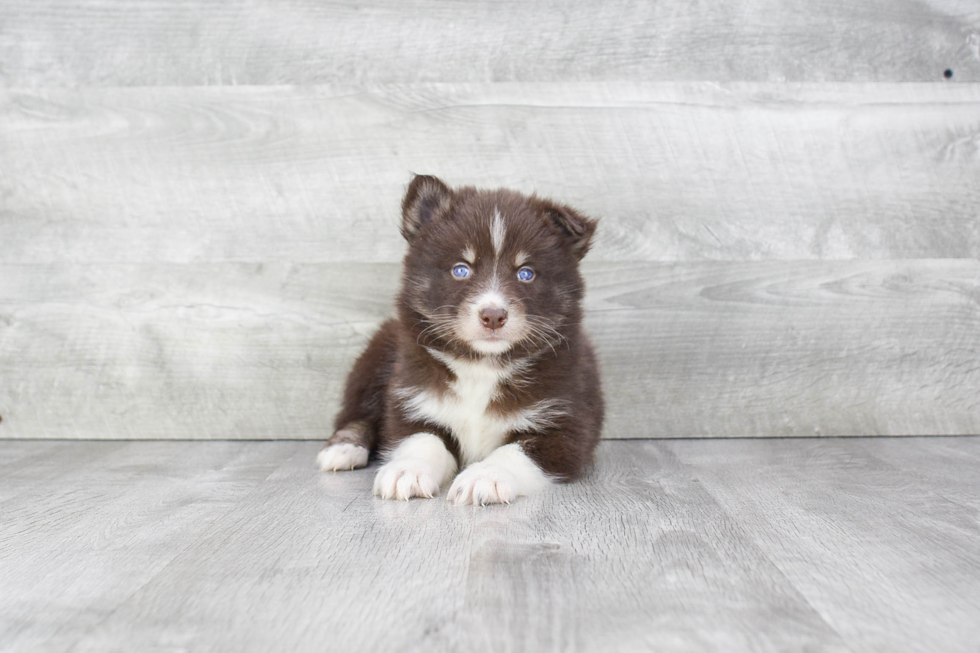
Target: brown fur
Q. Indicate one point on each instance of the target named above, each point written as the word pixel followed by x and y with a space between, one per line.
pixel 558 365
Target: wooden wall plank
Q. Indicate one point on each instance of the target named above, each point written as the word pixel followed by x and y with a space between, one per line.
pixel 676 172
pixel 167 351
pixel 689 350
pixel 794 348
pixel 64 43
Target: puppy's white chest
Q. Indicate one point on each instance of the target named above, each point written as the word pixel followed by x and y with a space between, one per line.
pixel 463 410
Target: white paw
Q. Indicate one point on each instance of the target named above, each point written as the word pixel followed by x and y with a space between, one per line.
pixel 482 483
pixel 343 456
pixel 406 478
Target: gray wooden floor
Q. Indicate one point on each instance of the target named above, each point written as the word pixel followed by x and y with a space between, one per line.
pixel 866 544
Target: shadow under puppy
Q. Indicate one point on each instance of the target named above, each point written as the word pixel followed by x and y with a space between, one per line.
pixel 486 367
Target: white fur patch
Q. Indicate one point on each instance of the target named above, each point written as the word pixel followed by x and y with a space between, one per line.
pixel 491 347
pixel 469 255
pixel 417 467
pixel 489 299
pixel 497 232
pixel 520 259
pixel 464 409
pixel 506 474
pixel 476 335
pixel 541 415
pixel 340 457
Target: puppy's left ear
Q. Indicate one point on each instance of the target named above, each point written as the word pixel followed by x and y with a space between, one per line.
pixel 425 199
pixel 575 228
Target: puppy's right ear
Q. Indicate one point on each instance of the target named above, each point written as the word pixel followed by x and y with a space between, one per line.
pixel 426 198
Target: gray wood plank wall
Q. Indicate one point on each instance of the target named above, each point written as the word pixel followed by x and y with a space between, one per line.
pixel 789 228
pixel 262 42
pixel 675 171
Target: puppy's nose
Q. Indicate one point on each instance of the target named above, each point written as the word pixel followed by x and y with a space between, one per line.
pixel 493 317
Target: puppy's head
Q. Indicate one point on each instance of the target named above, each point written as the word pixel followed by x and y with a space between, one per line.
pixel 490 272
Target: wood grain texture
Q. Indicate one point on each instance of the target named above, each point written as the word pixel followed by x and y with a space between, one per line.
pixel 78 545
pixel 28 464
pixel 832 513
pixel 174 351
pixel 791 348
pixel 950 467
pixel 191 43
pixel 767 545
pixel 688 350
pixel 675 171
pixel 636 556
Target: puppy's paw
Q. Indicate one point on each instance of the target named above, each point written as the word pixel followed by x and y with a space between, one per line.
pixel 406 478
pixel 483 483
pixel 340 457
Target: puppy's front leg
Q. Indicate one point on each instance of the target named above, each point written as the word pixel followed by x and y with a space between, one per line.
pixel 417 467
pixel 507 473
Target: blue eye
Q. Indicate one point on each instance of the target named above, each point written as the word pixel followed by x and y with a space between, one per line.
pixel 525 274
pixel 461 271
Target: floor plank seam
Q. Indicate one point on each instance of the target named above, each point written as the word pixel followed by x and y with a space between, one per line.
pixel 205 533
pixel 762 552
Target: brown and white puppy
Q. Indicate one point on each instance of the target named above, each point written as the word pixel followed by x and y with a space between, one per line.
pixel 486 368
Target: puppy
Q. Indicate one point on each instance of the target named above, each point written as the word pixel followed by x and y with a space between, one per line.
pixel 486 368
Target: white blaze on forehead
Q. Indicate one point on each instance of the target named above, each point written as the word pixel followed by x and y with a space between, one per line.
pixel 490 299
pixel 497 232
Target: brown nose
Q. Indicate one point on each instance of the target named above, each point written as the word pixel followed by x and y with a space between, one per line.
pixel 493 318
